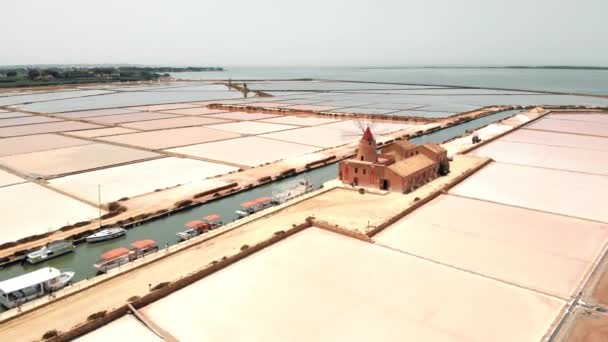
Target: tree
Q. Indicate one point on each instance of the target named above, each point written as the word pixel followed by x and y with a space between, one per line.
pixel 11 73
pixel 33 74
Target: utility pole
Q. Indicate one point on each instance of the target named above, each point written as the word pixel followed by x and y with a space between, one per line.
pixel 99 202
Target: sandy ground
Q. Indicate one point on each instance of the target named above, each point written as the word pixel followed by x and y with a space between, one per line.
pixel 572 194
pixel 172 123
pixel 349 209
pixel 35 143
pixel 587 326
pixel 46 210
pixel 543 252
pixel 72 159
pixel 301 289
pixel 138 178
pixel 172 137
pixel 119 329
pixel 50 127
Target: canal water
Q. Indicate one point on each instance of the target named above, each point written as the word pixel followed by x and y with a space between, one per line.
pixel 164 230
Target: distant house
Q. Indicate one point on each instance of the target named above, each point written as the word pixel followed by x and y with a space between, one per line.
pixel 402 166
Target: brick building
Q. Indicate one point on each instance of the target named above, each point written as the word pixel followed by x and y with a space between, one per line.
pixel 402 166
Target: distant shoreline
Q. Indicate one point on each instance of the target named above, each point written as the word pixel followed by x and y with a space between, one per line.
pixel 546 67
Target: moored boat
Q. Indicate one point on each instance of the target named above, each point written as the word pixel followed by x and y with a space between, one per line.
pixel 112 259
pixel 51 250
pixel 254 206
pixel 213 220
pixel 120 256
pixel 106 234
pixel 196 228
pixel 300 188
pixel 18 290
pixel 144 247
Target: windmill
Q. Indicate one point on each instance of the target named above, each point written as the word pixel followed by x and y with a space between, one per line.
pixel 358 128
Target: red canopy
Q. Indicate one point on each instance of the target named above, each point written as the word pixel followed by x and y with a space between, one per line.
pixel 212 217
pixel 143 244
pixel 263 199
pixel 195 224
pixel 249 204
pixel 114 253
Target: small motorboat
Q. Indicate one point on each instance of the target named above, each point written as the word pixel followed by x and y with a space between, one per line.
pixel 106 234
pixel 51 250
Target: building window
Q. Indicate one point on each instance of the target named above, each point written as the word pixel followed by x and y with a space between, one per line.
pixel 361 157
pixel 363 171
pixel 356 170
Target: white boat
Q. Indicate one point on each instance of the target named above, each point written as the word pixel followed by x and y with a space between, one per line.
pixel 51 250
pixel 300 188
pixel 18 290
pixel 106 234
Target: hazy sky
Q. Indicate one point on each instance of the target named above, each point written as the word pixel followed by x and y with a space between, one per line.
pixel 308 32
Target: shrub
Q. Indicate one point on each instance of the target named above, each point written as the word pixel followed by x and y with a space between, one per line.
pixel 97 315
pixel 81 224
pixel 416 199
pixel 217 194
pixel 113 206
pixel 183 203
pixel 361 191
pixel 8 245
pixel 244 247
pixel 123 199
pixel 264 179
pixel 50 334
pixel 160 285
pixel 161 211
pixel 279 232
pixel 132 299
pixel 109 215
